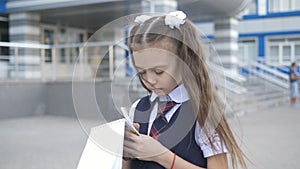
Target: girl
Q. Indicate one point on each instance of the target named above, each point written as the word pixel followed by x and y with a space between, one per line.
pixel 189 129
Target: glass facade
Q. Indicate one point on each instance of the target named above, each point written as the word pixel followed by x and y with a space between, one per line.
pixel 283 51
pixel 247 52
pixel 283 5
pixel 64 35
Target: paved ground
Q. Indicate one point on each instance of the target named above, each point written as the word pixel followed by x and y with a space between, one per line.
pixel 271 140
pixel 271 137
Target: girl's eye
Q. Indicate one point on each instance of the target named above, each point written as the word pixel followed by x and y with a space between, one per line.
pixel 142 72
pixel 159 72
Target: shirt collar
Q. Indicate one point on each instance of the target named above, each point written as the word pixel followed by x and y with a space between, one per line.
pixel 178 95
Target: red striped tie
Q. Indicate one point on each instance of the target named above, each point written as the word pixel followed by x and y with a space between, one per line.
pixel 161 122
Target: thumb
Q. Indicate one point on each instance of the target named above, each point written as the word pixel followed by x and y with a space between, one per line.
pixel 136 126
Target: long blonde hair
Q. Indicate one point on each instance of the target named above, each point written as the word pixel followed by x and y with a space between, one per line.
pixel 189 49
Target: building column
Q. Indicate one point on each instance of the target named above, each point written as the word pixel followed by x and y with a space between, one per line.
pixel 226 42
pixel 25 28
pixel 161 6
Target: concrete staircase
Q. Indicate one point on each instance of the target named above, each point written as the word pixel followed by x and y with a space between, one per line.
pixel 260 95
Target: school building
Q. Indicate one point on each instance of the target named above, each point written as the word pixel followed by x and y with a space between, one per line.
pixel 44 39
pixel 54 23
pixel 269 31
pixel 42 105
pixel 242 31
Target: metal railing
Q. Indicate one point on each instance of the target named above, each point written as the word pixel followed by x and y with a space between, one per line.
pixel 230 80
pixel 270 74
pixel 16 60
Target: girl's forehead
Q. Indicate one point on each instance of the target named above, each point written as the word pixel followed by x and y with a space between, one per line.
pixel 163 44
pixel 153 57
pixel 153 51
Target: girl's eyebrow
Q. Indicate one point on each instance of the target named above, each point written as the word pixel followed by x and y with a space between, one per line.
pixel 155 67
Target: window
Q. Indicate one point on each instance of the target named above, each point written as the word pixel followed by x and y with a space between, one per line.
pixel 274 55
pixel 62 40
pixel 247 52
pixel 286 53
pixel 283 51
pixel 75 36
pixel 283 5
pixel 251 8
pixel 54 35
pixel 274 5
pixel 297 53
pixel 296 5
pixel 48 40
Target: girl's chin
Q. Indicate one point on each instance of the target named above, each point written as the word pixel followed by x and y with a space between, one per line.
pixel 159 92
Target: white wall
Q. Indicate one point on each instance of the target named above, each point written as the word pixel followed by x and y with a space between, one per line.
pixel 263 25
pixel 282 24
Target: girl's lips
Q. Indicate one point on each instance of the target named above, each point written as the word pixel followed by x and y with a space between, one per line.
pixel 155 89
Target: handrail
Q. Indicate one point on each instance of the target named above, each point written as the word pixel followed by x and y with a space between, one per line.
pixel 232 86
pixel 273 71
pixel 227 73
pixel 59 46
pixel 284 69
pixel 14 59
pixel 271 79
pixel 270 74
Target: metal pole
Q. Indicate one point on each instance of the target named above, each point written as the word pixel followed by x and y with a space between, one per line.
pixel 152 6
pixel 81 62
pixel 53 64
pixel 43 63
pixel 16 63
pixel 111 61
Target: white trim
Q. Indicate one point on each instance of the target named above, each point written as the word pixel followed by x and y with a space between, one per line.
pixel 227 46
pixel 226 59
pixel 28 3
pixel 24 16
pixel 226 21
pixel 24 29
pixel 226 33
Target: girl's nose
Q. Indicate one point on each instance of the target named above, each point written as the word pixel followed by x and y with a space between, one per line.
pixel 150 78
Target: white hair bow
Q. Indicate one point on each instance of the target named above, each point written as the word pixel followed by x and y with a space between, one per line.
pixel 175 19
pixel 172 19
pixel 142 18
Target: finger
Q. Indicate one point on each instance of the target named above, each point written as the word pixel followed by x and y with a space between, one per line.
pixel 125 152
pixel 129 152
pixel 137 126
pixel 129 144
pixel 128 136
pixel 131 136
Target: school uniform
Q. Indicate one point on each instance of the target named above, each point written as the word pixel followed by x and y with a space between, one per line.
pixel 182 132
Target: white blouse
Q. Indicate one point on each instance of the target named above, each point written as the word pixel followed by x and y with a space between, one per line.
pixel 180 95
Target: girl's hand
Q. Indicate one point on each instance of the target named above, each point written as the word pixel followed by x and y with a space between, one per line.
pixel 126 154
pixel 136 126
pixel 143 147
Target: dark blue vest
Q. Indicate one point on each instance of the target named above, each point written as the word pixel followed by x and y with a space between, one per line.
pixel 184 119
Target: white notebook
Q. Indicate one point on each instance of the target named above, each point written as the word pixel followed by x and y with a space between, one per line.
pixel 104 147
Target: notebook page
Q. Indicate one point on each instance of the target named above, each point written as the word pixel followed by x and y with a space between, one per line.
pixel 104 147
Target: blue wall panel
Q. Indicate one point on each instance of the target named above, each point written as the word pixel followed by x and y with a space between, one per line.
pixel 2 6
